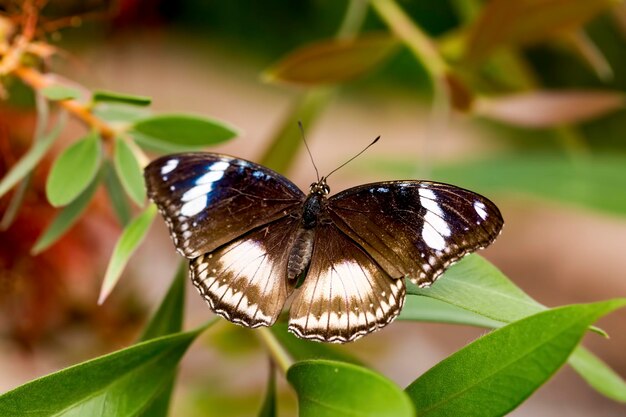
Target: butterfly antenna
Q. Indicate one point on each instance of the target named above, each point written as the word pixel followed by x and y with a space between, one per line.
pixel 354 157
pixel 317 174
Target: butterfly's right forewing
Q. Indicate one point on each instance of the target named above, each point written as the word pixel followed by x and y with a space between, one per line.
pixel 416 229
pixel 208 199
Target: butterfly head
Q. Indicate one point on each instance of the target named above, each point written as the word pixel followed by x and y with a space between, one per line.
pixel 320 187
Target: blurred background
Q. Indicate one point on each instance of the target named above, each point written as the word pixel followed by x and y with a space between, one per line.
pixel 519 109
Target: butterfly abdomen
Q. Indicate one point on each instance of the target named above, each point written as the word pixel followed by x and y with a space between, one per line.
pixel 300 254
pixel 302 248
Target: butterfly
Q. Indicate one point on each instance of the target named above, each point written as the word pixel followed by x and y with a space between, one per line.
pixel 254 239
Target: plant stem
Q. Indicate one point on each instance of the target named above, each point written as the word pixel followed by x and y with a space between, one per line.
pixel 353 19
pixel 424 51
pixel 418 42
pixel 280 356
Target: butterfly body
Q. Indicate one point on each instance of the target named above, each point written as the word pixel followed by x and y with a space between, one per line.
pixel 255 240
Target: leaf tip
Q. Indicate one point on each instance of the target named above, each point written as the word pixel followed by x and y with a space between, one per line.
pixel 104 294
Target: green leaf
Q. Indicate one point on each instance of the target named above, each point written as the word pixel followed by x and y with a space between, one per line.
pixel 131 238
pixel 513 23
pixel 32 157
pixel 476 285
pixel 59 92
pixel 417 308
pixel 300 349
pixel 74 170
pixel 169 316
pixel 178 132
pixel 129 172
pixel 333 61
pixel 116 194
pixel 335 389
pixel 120 113
pixel 589 181
pixel 65 219
pixel 168 319
pixel 479 288
pixel 598 374
pixel 268 409
pixel 494 374
pixel 121 384
pixel 112 96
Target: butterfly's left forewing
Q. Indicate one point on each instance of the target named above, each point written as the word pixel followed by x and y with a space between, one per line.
pixel 208 199
pixel 415 229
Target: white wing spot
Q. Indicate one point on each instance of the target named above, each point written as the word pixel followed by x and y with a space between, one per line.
pixel 169 166
pixel 480 209
pixel 197 191
pixel 210 177
pixel 219 166
pixel 435 226
pixel 195 206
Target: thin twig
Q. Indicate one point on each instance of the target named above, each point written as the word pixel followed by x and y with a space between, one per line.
pixel 38 81
pixel 278 352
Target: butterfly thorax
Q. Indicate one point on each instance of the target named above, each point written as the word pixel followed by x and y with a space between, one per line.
pixel 302 248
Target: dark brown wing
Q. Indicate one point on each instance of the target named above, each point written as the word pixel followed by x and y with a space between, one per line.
pixel 208 199
pixel 345 294
pixel 415 229
pixel 245 281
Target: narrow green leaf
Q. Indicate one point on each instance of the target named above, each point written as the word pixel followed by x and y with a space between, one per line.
pixel 131 238
pixel 268 409
pixel 417 308
pixel 286 142
pixel 65 219
pixel 112 96
pixel 544 109
pixel 43 112
pixel 598 374
pixel 59 92
pixel 300 349
pixel 335 389
pixel 513 23
pixel 74 170
pixel 32 157
pixel 589 181
pixel 116 194
pixel 120 384
pixel 15 203
pixel 333 61
pixel 168 319
pixel 181 132
pixel 169 316
pixel 129 172
pixel 494 374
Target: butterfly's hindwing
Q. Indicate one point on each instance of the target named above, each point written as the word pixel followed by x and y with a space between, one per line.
pixel 345 294
pixel 416 228
pixel 245 281
pixel 208 199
